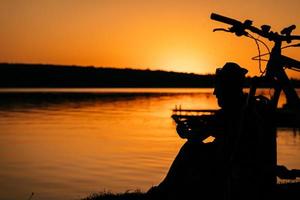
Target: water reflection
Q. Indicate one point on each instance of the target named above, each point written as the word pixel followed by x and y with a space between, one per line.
pixel 33 98
pixel 288 146
pixel 68 144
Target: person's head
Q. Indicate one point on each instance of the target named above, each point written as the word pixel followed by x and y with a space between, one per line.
pixel 229 85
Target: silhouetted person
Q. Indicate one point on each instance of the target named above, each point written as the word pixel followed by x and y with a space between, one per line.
pixel 229 167
pixel 243 130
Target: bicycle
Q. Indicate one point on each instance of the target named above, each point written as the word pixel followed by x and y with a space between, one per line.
pixel 275 77
pixel 275 70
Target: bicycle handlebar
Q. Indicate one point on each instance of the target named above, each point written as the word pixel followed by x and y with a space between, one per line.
pixel 239 29
pixel 224 19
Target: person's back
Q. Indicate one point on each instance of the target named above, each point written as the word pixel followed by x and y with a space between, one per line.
pixel 246 157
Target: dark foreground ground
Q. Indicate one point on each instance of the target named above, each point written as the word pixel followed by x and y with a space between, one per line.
pixel 287 191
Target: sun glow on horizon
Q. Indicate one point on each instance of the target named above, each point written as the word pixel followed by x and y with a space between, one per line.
pixel 165 35
pixel 184 63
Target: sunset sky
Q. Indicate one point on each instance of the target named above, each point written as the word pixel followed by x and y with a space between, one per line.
pixel 155 34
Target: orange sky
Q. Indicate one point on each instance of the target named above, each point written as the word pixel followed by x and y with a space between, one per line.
pixel 156 34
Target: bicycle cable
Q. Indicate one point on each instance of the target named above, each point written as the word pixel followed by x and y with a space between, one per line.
pixel 259 53
pixel 291 45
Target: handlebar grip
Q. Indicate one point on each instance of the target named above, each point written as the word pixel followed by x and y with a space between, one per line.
pixel 224 19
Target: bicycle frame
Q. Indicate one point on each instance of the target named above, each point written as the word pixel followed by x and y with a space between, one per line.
pixel 275 70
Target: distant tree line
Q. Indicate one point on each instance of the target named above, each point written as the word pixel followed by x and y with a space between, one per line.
pixel 27 75
pixel 38 75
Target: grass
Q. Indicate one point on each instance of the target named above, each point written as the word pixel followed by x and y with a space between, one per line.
pixel 128 195
pixel 284 191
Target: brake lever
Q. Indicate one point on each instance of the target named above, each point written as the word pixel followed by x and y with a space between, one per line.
pixel 287 32
pixel 221 29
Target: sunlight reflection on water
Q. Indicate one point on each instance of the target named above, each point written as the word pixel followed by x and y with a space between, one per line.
pixel 70 144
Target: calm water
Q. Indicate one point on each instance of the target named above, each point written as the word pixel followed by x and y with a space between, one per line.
pixel 68 143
